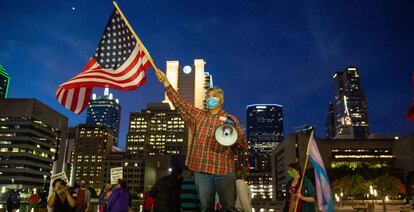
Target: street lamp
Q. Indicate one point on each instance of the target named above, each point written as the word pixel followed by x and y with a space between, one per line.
pixel 44 181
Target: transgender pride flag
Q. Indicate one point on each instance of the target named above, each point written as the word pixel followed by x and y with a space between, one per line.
pixel 322 185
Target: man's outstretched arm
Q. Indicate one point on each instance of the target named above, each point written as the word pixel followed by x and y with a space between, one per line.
pixel 187 111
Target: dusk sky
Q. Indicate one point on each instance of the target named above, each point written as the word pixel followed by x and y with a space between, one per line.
pixel 282 52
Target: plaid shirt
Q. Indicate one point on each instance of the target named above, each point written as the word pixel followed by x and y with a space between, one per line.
pixel 204 153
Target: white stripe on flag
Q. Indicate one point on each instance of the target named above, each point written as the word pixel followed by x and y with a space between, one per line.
pixel 103 74
pixel 133 54
pixel 69 97
pixel 61 92
pixel 112 82
pixel 81 98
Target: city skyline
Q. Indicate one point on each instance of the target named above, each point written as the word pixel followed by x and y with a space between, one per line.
pixel 287 54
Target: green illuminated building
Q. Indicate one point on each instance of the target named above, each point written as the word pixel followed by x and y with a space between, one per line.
pixel 4 83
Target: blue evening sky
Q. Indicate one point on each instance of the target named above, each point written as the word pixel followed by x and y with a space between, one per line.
pixel 263 51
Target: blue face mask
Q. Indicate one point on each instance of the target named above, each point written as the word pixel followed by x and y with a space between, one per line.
pixel 212 102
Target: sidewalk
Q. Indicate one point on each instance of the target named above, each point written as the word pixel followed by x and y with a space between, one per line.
pixel 378 208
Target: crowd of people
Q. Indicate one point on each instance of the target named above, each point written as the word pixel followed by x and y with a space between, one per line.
pixel 111 199
pixel 177 192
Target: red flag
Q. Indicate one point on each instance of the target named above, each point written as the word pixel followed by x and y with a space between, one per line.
pixel 119 62
pixel 410 113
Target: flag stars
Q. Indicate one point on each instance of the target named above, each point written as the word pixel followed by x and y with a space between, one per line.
pixel 116 44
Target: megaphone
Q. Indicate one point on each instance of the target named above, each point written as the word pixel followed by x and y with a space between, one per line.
pixel 226 134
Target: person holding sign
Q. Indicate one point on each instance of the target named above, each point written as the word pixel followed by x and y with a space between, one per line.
pixel 61 200
pixel 213 164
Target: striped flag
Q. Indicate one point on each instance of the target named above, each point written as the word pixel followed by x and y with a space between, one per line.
pixel 323 187
pixel 119 62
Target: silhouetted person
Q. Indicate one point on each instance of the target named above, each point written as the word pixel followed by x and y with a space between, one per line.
pixel 167 192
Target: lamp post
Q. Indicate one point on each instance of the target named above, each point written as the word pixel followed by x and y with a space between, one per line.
pixel 44 181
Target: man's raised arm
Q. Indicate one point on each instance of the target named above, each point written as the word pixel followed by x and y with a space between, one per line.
pixel 187 111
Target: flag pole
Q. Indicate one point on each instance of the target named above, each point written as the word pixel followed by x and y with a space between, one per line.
pixel 304 170
pixel 136 36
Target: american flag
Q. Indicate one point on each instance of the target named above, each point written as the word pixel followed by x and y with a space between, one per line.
pixel 322 185
pixel 117 63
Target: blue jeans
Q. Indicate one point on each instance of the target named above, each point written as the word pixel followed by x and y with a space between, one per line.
pixel 208 185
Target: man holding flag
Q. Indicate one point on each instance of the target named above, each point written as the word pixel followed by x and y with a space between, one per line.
pixel 120 62
pixel 212 163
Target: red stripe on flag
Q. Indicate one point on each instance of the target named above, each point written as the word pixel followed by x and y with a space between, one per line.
pixel 130 66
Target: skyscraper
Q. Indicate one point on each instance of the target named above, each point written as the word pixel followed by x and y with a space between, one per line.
pixel 330 122
pixel 349 106
pixel 264 133
pixel 133 170
pixel 105 111
pixel 4 83
pixel 92 144
pixel 191 82
pixel 30 134
pixel 157 130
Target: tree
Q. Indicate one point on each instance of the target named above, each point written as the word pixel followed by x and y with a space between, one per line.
pixel 387 185
pixel 354 186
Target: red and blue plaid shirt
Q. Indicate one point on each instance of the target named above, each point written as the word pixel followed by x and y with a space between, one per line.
pixel 204 153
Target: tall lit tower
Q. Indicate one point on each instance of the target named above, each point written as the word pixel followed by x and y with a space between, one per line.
pixel 191 82
pixel 264 132
pixel 4 83
pixel 350 113
pixel 105 111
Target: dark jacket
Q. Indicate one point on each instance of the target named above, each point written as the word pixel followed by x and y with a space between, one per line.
pixel 167 194
pixel 308 190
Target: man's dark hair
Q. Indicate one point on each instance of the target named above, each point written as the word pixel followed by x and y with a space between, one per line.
pixel 58 180
pixel 122 183
pixel 297 167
